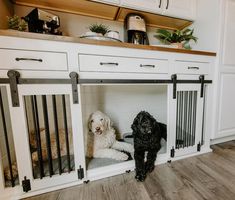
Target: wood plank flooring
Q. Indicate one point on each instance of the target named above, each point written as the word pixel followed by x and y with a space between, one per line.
pixel 209 176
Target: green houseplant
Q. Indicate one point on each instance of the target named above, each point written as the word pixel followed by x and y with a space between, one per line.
pixel 16 23
pixel 172 37
pixel 99 28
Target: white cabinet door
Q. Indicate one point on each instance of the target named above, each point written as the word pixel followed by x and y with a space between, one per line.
pixel 48 135
pixel 180 8
pixel 154 6
pixel 114 2
pixel 187 120
pixel 225 106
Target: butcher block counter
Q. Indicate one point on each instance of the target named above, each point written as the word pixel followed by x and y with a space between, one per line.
pixel 99 42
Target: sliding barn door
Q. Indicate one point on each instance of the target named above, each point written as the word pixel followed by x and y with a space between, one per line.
pixel 187 128
pixel 47 129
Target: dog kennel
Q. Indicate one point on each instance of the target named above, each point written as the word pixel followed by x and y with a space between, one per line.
pixel 44 123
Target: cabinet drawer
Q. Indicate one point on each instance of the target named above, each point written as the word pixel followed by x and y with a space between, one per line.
pixel 33 60
pixel 185 67
pixel 121 64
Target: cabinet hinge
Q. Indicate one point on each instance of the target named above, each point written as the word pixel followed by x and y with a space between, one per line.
pixel 80 172
pixel 172 152
pixel 202 78
pixel 74 81
pixel 26 184
pixel 174 81
pixel 199 146
pixel 14 79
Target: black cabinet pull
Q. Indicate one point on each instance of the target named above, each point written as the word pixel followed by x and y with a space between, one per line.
pixel 153 66
pixel 28 59
pixel 108 63
pixel 160 4
pixel 167 5
pixel 197 68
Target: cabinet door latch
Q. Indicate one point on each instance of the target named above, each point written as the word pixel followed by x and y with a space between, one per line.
pixel 80 172
pixel 174 81
pixel 14 79
pixel 26 184
pixel 74 82
pixel 172 152
pixel 202 78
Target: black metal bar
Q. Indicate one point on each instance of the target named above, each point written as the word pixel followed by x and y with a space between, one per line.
pixel 43 81
pixel 47 131
pixel 181 118
pixel 174 81
pixel 57 133
pixel 194 117
pixel 201 78
pixel 4 81
pixel 66 132
pixel 37 133
pixel 203 118
pixel 6 139
pixel 190 118
pixel 13 79
pixel 185 118
pixel 177 122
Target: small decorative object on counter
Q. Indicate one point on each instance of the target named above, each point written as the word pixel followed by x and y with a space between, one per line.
pixel 16 23
pixel 99 29
pixel 112 34
pixel 177 38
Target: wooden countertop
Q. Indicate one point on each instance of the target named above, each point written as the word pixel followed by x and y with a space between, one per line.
pixel 98 42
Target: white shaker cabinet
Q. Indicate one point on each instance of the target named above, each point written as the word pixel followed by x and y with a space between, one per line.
pixel 180 8
pixel 174 8
pixel 225 107
pixel 114 2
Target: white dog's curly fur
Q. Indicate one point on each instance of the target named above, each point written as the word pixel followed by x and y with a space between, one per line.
pixel 102 141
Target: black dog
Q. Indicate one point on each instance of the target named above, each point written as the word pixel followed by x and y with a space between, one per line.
pixel 147 133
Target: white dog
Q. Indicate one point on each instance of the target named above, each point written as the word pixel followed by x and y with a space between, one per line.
pixel 102 141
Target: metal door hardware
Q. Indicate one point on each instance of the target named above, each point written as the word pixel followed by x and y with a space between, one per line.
pixel 13 78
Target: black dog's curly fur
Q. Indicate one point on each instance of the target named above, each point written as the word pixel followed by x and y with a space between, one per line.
pixel 147 134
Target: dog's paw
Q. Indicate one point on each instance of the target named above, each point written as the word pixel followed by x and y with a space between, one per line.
pixel 149 168
pixel 140 177
pixel 121 156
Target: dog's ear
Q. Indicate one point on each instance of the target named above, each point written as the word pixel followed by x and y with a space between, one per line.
pixel 163 130
pixel 89 123
pixel 108 122
pixel 134 125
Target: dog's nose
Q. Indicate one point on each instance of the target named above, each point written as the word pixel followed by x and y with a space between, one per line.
pixel 97 128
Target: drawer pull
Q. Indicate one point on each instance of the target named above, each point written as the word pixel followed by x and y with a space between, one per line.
pixel 28 59
pixel 153 66
pixel 108 63
pixel 197 68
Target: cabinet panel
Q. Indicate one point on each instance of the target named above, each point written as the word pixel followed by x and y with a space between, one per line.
pixel 91 63
pixel 229 32
pixel 154 6
pixel 227 106
pixel 180 8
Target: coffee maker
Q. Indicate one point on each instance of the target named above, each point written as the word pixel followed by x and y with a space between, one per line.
pixel 40 21
pixel 135 29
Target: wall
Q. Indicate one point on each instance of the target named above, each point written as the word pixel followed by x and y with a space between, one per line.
pixel 6 9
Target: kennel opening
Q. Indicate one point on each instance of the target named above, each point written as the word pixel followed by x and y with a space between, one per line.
pixel 122 103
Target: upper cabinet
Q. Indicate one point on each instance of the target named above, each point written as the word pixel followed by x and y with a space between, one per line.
pixel 114 2
pixel 154 6
pixel 185 9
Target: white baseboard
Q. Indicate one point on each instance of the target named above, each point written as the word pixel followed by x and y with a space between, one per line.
pixel 221 140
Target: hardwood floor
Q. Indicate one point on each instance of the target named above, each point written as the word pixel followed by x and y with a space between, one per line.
pixel 209 176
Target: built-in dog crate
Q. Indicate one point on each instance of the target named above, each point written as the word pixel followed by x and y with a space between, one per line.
pixel 44 125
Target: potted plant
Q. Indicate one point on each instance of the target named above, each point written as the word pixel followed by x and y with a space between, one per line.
pixel 98 29
pixel 16 23
pixel 179 38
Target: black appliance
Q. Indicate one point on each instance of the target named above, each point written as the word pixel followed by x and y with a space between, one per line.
pixel 135 29
pixel 40 21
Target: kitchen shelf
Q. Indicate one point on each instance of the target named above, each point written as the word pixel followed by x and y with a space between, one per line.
pixel 104 11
